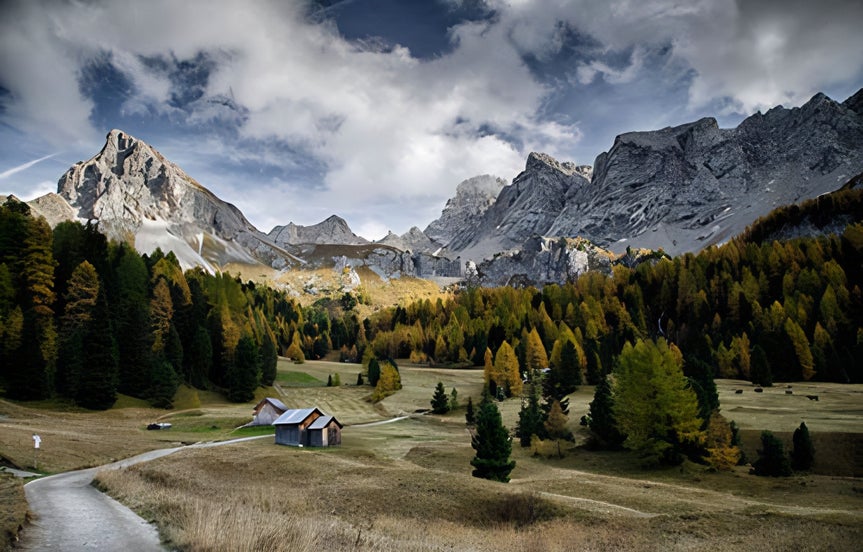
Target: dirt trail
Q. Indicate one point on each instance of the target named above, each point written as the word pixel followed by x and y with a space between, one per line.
pixel 72 515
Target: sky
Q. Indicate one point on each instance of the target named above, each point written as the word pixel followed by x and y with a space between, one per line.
pixel 375 110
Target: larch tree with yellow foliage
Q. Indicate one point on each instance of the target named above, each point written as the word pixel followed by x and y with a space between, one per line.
pixel 654 405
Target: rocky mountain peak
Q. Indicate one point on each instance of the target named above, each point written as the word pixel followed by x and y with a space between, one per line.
pixel 138 195
pixel 332 230
pixel 542 161
pixel 473 198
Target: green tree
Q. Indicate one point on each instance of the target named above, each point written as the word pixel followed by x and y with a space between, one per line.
pixel 469 415
pixel 654 405
pixel 601 420
pixel 530 417
pixel 453 399
pixel 269 359
pixel 440 402
pixel 200 357
pixel 99 374
pixel 32 375
pixel 760 370
pixel 163 383
pixel 803 453
pixel 374 372
pixel 80 302
pixel 244 376
pixel 772 460
pixel 492 445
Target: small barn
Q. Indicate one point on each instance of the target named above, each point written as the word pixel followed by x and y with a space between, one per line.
pixel 267 411
pixel 326 431
pixel 307 427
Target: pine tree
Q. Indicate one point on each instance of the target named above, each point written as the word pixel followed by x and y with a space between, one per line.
pixel 601 420
pixel 439 402
pixel 82 291
pixel 97 381
pixel 803 453
pixel 530 417
pixel 131 308
pixel 492 444
pixel 469 415
pixel 244 376
pixel 654 406
pixel 453 399
pixel 772 460
pixel 269 359
pixel 374 372
pixel 359 379
pixel 760 370
pixel 163 383
pixel 32 375
pixel 201 358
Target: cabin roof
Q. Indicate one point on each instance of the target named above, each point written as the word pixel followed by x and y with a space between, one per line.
pixel 295 416
pixel 275 402
pixel 323 422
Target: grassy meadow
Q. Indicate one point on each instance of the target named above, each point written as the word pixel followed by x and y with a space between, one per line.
pixel 406 485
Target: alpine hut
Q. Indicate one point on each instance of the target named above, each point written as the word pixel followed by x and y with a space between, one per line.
pixel 267 411
pixel 307 427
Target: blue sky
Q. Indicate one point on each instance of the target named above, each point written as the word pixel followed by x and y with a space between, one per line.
pixel 375 110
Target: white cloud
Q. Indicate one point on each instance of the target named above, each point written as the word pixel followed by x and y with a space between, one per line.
pixel 397 134
pixel 24 166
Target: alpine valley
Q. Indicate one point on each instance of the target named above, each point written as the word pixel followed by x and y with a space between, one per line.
pixel 678 189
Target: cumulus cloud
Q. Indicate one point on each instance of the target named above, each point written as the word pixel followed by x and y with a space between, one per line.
pixel 392 134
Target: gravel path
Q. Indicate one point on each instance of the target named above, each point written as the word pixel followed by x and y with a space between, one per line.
pixel 72 515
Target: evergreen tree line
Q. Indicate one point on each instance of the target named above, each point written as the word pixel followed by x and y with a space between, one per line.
pixel 85 319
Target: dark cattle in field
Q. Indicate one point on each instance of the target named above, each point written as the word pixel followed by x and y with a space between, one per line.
pixel 812 397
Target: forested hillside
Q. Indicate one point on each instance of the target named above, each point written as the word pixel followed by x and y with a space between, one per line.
pixel 775 311
pixel 83 318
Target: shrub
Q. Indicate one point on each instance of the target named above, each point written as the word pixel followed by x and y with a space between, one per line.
pixel 522 509
pixel 772 460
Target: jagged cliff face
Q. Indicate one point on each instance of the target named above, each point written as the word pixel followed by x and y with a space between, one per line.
pixel 139 196
pixel 527 207
pixel 687 187
pixel 459 217
pixel 678 189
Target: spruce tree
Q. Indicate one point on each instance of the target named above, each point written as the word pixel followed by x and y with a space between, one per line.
pixel 163 383
pixel 97 381
pixel 440 402
pixel 359 379
pixel 469 415
pixel 243 377
pixel 530 417
pixel 374 372
pixel 772 460
pixel 269 359
pixel 803 453
pixel 453 399
pixel 760 370
pixel 492 444
pixel 601 420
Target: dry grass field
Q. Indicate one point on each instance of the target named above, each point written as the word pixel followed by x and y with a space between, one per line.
pixel 406 485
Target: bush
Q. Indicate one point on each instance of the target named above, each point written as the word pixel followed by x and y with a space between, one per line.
pixel 522 509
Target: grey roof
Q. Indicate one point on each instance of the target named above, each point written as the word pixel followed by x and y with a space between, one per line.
pixel 277 403
pixel 323 422
pixel 294 416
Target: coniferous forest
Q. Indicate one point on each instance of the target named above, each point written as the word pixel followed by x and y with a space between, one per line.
pixel 85 319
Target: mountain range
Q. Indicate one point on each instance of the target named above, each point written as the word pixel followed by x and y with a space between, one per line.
pixel 678 189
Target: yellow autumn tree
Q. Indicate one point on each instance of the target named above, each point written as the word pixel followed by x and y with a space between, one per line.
pixel 721 454
pixel 507 370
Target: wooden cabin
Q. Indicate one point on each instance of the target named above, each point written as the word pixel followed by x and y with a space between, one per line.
pixel 307 427
pixel 267 411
